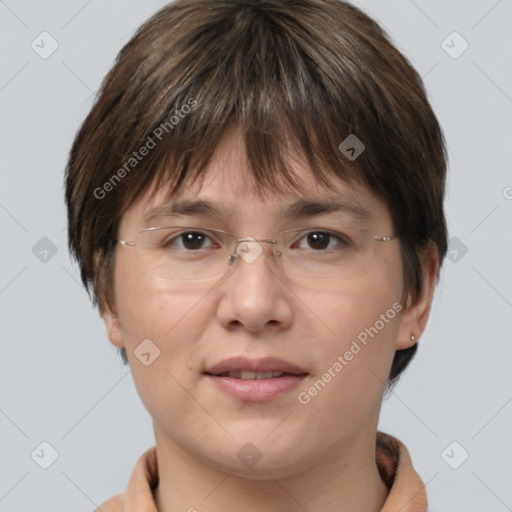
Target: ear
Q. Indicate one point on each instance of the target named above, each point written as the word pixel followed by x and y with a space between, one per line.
pixel 108 313
pixel 414 317
pixel 113 327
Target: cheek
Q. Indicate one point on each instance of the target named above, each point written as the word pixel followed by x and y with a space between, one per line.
pixel 342 313
pixel 355 357
pixel 174 322
pixel 173 319
pixel 151 308
pixel 363 326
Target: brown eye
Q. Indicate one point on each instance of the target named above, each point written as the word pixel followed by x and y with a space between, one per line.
pixel 322 240
pixel 189 241
pixel 318 240
pixel 193 240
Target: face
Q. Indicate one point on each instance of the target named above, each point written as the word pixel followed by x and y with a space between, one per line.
pixel 325 347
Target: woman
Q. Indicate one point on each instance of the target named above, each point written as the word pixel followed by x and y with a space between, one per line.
pixel 256 203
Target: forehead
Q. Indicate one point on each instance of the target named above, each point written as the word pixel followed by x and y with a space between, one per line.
pixel 227 191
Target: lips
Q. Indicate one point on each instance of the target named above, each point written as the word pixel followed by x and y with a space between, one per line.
pixel 248 375
pixel 246 369
pixel 255 380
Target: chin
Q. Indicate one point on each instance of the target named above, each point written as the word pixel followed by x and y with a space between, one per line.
pixel 252 455
pixel 270 466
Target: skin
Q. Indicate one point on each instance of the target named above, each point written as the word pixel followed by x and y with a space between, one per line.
pixel 319 456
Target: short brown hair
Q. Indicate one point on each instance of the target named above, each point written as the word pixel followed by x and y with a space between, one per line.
pixel 303 74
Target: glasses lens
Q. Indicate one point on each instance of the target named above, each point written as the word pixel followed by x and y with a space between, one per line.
pixel 184 253
pixel 189 253
pixel 327 254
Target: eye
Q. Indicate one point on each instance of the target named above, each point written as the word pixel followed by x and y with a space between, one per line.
pixel 189 240
pixel 320 240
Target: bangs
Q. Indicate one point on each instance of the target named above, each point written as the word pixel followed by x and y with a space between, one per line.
pixel 255 72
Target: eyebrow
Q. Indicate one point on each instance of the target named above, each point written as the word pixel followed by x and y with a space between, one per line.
pixel 301 209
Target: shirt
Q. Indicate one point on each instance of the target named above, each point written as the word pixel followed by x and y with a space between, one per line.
pixel 406 489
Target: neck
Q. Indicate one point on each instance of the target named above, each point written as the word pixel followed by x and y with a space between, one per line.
pixel 346 481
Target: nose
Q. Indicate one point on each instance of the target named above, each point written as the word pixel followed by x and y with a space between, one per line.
pixel 254 295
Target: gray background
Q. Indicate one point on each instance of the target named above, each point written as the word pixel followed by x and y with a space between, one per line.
pixel 62 382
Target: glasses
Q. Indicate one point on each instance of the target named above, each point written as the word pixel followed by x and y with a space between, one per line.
pixel 185 253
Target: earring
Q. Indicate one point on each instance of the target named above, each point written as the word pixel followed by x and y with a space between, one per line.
pixel 413 338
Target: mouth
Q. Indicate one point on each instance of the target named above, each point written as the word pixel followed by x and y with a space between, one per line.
pixel 250 375
pixel 255 380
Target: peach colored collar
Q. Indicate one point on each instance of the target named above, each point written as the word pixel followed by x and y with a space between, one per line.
pixel 407 492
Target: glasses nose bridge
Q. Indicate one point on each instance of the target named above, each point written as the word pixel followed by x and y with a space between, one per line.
pixel 252 239
pixel 250 248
